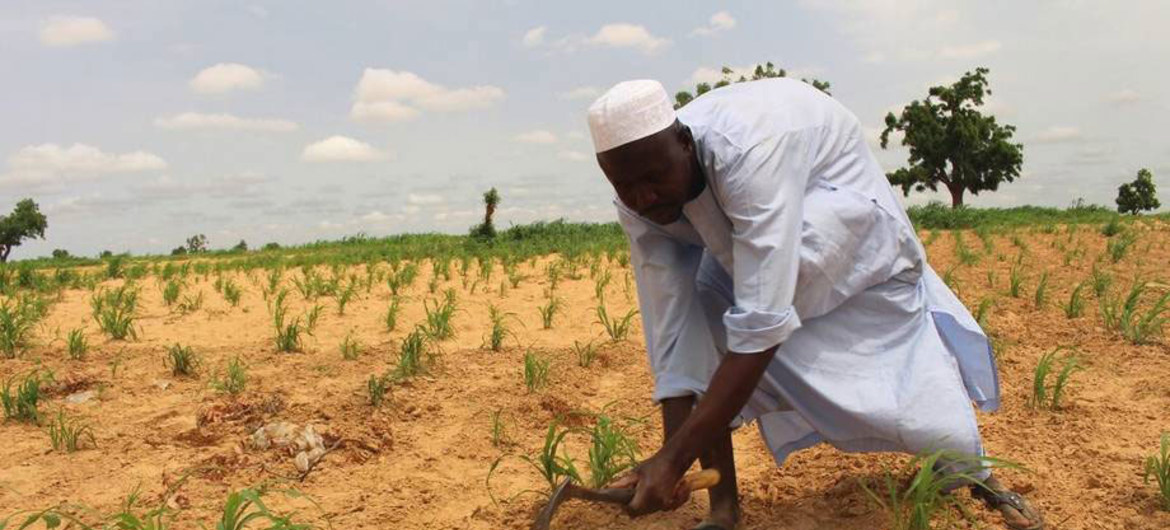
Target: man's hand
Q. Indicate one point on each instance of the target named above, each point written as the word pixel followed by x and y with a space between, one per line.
pixel 658 483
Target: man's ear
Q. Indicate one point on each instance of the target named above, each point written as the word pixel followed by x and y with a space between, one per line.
pixel 685 137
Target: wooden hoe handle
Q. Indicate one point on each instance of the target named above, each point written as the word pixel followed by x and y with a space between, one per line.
pixel 701 480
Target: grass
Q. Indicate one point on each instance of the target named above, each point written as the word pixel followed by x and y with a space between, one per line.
pixel 1075 306
pixel 1126 318
pixel 500 330
pixel 390 319
pixel 350 348
pixel 21 405
pixel 535 371
pixel 616 328
pixel 1158 468
pixel 345 296
pixel 611 452
pixel 585 353
pixel 926 496
pixel 69 434
pixel 76 344
pixel 549 311
pixel 600 282
pixel 234 378
pixel 984 310
pixel 190 304
pixel 114 310
pixel 1112 228
pixel 1041 294
pixel 414 356
pixel 1048 396
pixel 182 361
pixel 965 255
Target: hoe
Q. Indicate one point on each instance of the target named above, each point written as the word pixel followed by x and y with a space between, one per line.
pixel 701 480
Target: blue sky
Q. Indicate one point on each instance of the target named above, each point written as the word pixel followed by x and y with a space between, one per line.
pixel 137 123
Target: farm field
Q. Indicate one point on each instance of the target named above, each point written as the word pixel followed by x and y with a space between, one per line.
pixel 408 419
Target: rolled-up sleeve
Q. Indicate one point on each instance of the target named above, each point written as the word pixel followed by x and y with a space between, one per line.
pixel 763 197
pixel 678 341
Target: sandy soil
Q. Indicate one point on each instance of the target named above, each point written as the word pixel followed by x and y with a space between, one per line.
pixel 421 461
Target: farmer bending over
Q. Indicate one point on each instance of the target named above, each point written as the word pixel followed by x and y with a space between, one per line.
pixel 780 281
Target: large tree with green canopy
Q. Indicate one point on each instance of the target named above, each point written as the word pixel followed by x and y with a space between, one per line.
pixel 1134 197
pixel 762 71
pixel 952 143
pixel 25 222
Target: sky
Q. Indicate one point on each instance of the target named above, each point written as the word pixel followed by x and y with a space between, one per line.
pixel 137 123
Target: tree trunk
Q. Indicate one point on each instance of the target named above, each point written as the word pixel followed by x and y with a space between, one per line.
pixel 956 196
pixel 4 250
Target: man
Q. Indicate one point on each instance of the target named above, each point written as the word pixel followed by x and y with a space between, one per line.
pixel 780 281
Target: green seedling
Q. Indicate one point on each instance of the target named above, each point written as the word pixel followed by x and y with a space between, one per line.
pixel 391 318
pixel 350 348
pixel 984 310
pixel 585 353
pixel 438 318
pixel 1118 247
pixel 232 293
pixel 611 453
pixel 1112 228
pixel 182 361
pixel 1041 294
pixel 1048 396
pixel 1135 325
pixel 549 310
pixel 344 297
pixel 500 330
pixel 499 437
pixel 190 304
pixel 171 291
pixel 233 380
pixel 69 434
pixel 246 506
pixel 21 405
pixel 616 328
pixel 1075 306
pixel 965 255
pixel 15 325
pixel 599 284
pixel 114 311
pixel 288 334
pixel 76 344
pixel 535 372
pixel 551 462
pixel 1158 468
pixel 1016 280
pixel 415 355
pixel 1101 281
pixel 376 389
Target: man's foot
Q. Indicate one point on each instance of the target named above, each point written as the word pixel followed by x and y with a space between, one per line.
pixel 720 518
pixel 1017 513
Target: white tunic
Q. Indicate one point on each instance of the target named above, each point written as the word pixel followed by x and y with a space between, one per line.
pixel 798 241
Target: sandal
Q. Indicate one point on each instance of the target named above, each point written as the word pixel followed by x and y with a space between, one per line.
pixel 1017 513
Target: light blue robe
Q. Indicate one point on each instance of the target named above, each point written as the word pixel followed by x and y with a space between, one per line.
pixel 798 241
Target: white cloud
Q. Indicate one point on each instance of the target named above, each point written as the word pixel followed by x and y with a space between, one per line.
pixel 226 77
pixel 582 92
pixel 375 216
pixel 1124 96
pixel 341 149
pixel 388 95
pixel 534 37
pixel 195 120
pixel 538 136
pixel 573 156
pixel 422 199
pixel 623 35
pixel 81 158
pixel 970 51
pixel 62 31
pixel 721 21
pixel 1059 134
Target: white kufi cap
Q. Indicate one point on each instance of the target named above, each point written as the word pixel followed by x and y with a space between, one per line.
pixel 629 111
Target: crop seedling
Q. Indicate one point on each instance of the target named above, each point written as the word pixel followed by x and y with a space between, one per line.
pixel 550 462
pixel 549 310
pixel 438 318
pixel 499 437
pixel 599 285
pixel 350 348
pixel 616 328
pixel 66 434
pixel 243 507
pixel 535 372
pixel 1075 306
pixel 1131 322
pixel 391 318
pixel 514 276
pixel 927 494
pixel 233 380
pixel 114 311
pixel 586 353
pixel 171 291
pixel 288 334
pixel 612 451
pixel 950 279
pixel 500 330
pixel 22 405
pixel 312 317
pixel 231 292
pixel 414 355
pixel 15 324
pixel 344 297
pixel 1041 294
pixel 376 388
pixel 76 344
pixel 181 360
pixel 985 306
pixel 1016 280
pixel 1118 247
pixel 1158 468
pixel 190 304
pixel 965 255
pixel 1044 395
pixel 1112 228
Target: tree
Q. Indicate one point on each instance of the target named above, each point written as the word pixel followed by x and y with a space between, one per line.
pixel 60 253
pixel 242 246
pixel 197 244
pixel 952 143
pixel 25 222
pixel 762 71
pixel 487 230
pixel 1134 197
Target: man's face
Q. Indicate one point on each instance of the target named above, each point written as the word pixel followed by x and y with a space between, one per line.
pixel 653 176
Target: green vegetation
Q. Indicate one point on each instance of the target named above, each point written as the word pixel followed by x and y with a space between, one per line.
pixel 499 330
pixel 1158 468
pixel 25 222
pixel 549 462
pixel 1048 396
pixel 535 371
pixel 233 380
pixel 288 334
pixel 549 311
pixel 585 353
pixel 350 348
pixel 913 505
pixel 1075 306
pixel 616 328
pixel 1126 317
pixel 415 355
pixel 16 323
pixel 1041 294
pixel 498 436
pixel 390 320
pixel 1117 247
pixel 21 405
pixel 611 453
pixel 76 344
pixel 181 360
pixel 114 310
pixel 438 320
pixel 1016 280
pixel 376 389
pixel 69 434
pixel 1139 195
